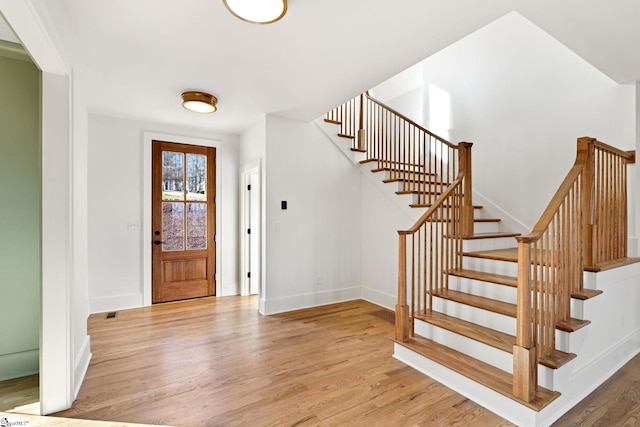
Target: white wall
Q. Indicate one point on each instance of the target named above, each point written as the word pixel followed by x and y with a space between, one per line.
pixel 313 247
pixel 253 144
pixel 523 99
pixel 116 219
pixel 381 220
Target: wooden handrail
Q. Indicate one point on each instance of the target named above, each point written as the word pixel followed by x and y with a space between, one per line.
pixel 553 206
pixel 408 120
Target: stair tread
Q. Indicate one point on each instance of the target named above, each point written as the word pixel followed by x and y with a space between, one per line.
pixel 386 162
pixel 420 181
pixel 484 303
pixel 508 254
pixel 342 135
pixel 501 307
pixel 483 373
pixel 497 339
pixel 491 235
pixel 584 294
pixel 488 336
pixel 433 191
pixel 611 264
pixel 512 281
pixel 335 122
pixel 427 205
pixel 483 220
pixel 572 324
pixel 499 279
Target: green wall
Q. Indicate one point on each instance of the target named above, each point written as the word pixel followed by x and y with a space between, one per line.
pixel 20 212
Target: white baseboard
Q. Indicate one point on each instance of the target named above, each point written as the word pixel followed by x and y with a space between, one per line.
pixel 379 298
pixel 81 365
pixel 297 302
pixel 119 302
pixel 20 364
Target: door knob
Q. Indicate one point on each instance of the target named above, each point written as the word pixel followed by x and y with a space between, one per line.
pixel 157 242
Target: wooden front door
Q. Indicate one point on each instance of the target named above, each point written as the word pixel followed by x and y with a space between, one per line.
pixel 183 209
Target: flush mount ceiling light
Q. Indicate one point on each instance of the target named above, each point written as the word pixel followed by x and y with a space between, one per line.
pixel 257 11
pixel 199 102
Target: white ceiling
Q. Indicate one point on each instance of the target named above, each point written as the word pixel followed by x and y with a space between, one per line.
pixel 134 58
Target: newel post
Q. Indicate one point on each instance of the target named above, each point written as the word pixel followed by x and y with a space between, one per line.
pixel 362 133
pixel 464 159
pixel 586 151
pixel 525 364
pixel 402 309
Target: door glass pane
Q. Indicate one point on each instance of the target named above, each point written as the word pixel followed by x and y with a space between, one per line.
pixel 172 226
pixel 196 177
pixel 196 226
pixel 172 176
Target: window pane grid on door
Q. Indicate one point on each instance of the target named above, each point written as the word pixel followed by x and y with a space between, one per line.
pixel 196 167
pixel 173 226
pixel 196 216
pixel 172 175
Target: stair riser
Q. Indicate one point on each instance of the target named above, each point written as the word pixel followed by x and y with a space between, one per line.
pixel 483 352
pixel 490 355
pixel 490 266
pixel 486 227
pixel 488 244
pixel 484 289
pixel 479 316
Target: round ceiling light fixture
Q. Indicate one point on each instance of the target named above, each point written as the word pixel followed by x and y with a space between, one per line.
pixel 199 102
pixel 257 11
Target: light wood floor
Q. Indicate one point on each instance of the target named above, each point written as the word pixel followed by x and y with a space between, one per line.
pixel 217 362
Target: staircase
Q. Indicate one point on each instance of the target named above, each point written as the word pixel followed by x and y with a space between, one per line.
pixel 461 317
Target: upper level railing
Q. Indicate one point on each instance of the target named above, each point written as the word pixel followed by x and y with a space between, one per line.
pixel 584 223
pixel 423 162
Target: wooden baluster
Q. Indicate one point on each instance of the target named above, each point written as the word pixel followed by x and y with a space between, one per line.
pixel 525 366
pixel 361 145
pixel 402 309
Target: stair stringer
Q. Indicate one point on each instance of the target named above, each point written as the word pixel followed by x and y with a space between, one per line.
pixel 343 144
pixel 508 222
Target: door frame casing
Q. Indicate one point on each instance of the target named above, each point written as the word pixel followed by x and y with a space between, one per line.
pixel 147 237
pixel 246 171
